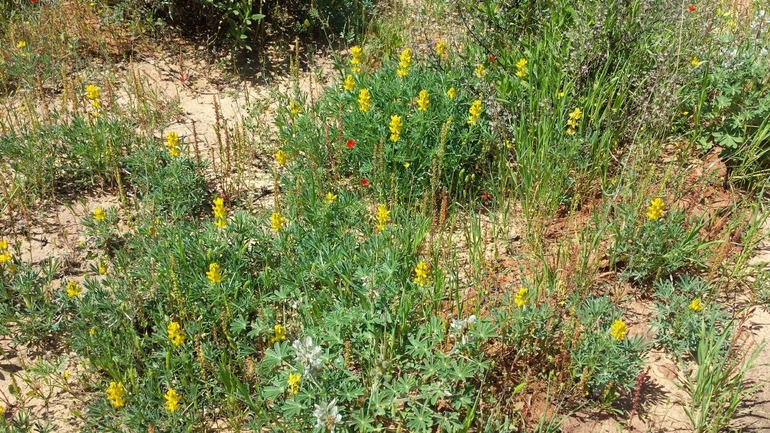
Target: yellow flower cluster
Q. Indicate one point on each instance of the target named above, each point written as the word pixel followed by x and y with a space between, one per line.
pixel 21 44
pixel 395 127
pixel 357 56
pixel 280 157
pixel 364 100
pixel 172 400
pixel 176 334
pixel 572 122
pixel 92 94
pixel 618 329
pixel 421 274
pixel 480 71
pixel 522 297
pixel 277 221
pixel 695 61
pixel 220 213
pixel 172 143
pixel 279 333
pixel 696 304
pixel 5 255
pixel 655 210
pixel 383 214
pixel 349 84
pixel 73 289
pixel 474 112
pixel 293 383
pixel 441 48
pixel 294 108
pixel 330 198
pixel 521 68
pixel 99 214
pixel 101 267
pixel 405 59
pixel 452 93
pixel 115 394
pixel 423 100
pixel 214 273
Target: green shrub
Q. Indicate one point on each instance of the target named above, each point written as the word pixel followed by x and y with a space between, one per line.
pixel 604 359
pixel 244 24
pixel 680 310
pixel 435 148
pixel 654 247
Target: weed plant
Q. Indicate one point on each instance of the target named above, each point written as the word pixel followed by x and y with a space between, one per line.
pixel 341 306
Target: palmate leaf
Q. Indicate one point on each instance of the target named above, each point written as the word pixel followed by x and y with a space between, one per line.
pixel 727 140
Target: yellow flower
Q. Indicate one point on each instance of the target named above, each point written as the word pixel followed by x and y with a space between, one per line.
pixel 279 333
pixel 295 108
pixel 115 393
pixel 406 165
pixel 695 61
pixel 176 334
pixel 92 92
pixel 357 55
pixel 522 297
pixel 423 100
pixel 696 305
pixel 172 143
pixel 92 332
pixel 5 255
pixel 655 210
pixel 280 157
pixel 330 198
pixel 452 93
pixel 214 273
pixel 475 112
pixel 66 375
pixel 364 100
pixel 172 400
pixel 383 214
pixel 405 58
pixel 293 383
pixel 350 83
pixel 73 289
pixel 572 122
pixel 521 68
pixel 21 44
pixel 441 48
pixel 395 127
pixel 99 214
pixel 480 71
pixel 277 221
pixel 101 267
pixel 220 211
pixel 560 94
pixel 618 329
pixel 421 274
pixel 576 114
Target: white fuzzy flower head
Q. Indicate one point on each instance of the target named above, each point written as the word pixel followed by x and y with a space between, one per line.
pixel 458 327
pixel 308 354
pixel 327 416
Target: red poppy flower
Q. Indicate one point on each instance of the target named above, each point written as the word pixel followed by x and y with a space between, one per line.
pixel 485 196
pixel 34 1
pixel 691 8
pixel 492 58
pixel 351 143
pixel 364 182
